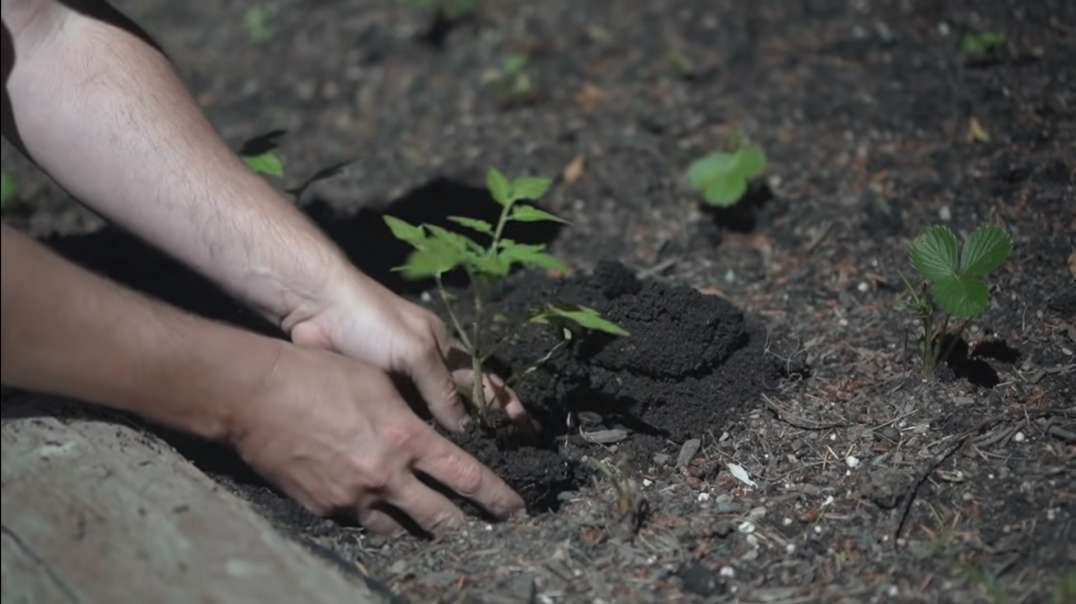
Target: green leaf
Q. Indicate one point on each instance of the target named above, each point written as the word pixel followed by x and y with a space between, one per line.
pixel 492 265
pixel 960 295
pixel 405 231
pixel 473 223
pixel 499 187
pixel 725 191
pixel 703 171
pixel 7 189
pixel 429 261
pixel 530 255
pixel 750 161
pixel 267 162
pixel 584 316
pixel 529 187
pixel 984 250
pixel 461 243
pixel 526 213
pixel 978 44
pixel 934 253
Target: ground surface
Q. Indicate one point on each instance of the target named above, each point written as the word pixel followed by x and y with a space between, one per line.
pixel 870 483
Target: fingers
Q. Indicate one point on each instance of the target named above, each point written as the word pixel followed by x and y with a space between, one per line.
pixel 380 522
pixel 430 511
pixel 454 468
pixel 496 393
pixel 434 383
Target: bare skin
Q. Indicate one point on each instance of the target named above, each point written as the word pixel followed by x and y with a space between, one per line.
pixel 318 416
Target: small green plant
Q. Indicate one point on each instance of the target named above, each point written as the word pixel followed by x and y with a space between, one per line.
pixel 266 162
pixel 257 21
pixel 955 276
pixel 982 44
pixel 438 250
pixel 259 153
pixel 512 78
pixel 7 190
pixel 722 177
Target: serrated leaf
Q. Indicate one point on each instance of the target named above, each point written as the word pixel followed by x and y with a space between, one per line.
pixel 960 295
pixel 934 253
pixel 405 231
pixel 726 191
pixel 526 213
pixel 430 261
pixel 461 243
pixel 529 187
pixel 499 187
pixel 704 170
pixel 984 250
pixel 473 223
pixel 529 254
pixel 584 316
pixel 267 162
pixel 492 265
pixel 750 161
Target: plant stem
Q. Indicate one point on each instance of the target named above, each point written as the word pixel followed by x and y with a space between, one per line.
pixel 534 366
pixel 455 320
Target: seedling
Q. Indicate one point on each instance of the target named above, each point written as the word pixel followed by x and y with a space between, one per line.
pixel 257 22
pixel 981 45
pixel 722 177
pixel 955 276
pixel 7 190
pixel 438 250
pixel 512 79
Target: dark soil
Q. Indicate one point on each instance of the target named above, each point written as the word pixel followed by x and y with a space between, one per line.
pixel 770 336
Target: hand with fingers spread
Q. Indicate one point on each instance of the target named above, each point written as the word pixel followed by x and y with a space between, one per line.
pixel 335 435
pixel 358 317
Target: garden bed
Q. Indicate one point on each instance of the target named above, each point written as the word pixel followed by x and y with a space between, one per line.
pixel 828 467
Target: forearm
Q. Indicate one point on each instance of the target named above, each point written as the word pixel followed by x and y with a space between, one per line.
pixel 104 113
pixel 67 331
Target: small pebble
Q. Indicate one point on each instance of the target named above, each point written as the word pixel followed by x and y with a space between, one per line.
pixel 1019 437
pixel 704 496
pixel 727 571
pixel 647 482
pixel 945 214
pixel 852 461
pixel 863 287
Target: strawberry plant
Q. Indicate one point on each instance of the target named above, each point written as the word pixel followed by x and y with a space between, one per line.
pixel 438 250
pixel 955 277
pixel 722 177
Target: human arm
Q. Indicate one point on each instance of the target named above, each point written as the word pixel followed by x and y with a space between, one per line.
pixel 333 433
pixel 103 112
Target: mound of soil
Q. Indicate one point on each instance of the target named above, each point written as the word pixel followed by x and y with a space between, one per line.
pixel 689 362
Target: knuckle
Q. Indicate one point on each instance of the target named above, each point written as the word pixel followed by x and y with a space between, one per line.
pixel 370 476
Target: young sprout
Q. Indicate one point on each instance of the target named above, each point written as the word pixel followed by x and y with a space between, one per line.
pixel 982 44
pixel 438 250
pixel 955 276
pixel 722 177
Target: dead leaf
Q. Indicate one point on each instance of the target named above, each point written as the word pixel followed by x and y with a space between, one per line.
pixel 1072 264
pixel 976 132
pixel 574 170
pixel 589 97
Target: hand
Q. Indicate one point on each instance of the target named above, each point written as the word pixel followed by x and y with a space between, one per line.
pixel 358 317
pixel 335 435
